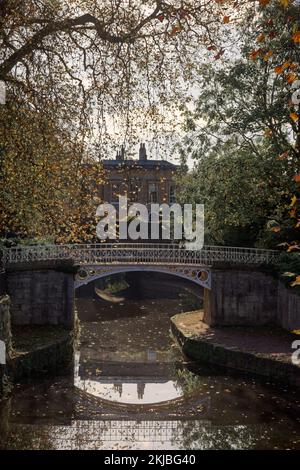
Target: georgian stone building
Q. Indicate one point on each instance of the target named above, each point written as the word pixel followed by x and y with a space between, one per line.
pixel 142 180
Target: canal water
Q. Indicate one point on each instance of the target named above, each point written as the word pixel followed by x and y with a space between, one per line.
pixel 131 388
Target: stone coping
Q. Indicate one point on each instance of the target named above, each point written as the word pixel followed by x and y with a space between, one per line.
pixel 63 265
pixel 265 351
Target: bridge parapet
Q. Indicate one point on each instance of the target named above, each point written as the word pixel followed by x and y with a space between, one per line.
pixel 139 253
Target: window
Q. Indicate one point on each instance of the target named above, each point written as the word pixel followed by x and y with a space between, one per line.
pixel 101 191
pixel 172 193
pixel 135 187
pixel 115 191
pixel 152 192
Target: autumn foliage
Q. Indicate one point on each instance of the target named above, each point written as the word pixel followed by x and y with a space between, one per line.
pixel 49 188
pixel 72 67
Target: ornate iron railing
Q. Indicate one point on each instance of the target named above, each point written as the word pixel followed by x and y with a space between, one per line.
pixel 139 253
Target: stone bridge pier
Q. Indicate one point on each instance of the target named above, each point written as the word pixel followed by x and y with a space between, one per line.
pixel 44 295
pixel 41 280
pixel 249 297
pixel 41 293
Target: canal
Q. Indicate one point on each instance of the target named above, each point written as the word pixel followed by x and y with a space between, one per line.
pixel 131 388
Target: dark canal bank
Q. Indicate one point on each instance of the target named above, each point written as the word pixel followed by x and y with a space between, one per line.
pixel 130 388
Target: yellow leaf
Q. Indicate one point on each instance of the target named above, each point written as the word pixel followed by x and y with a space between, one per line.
pixel 268 132
pixel 267 56
pixel 293 248
pixel 283 155
pixel 296 282
pixel 261 37
pixel 296 37
pixel 294 117
pixel 254 54
pixel 285 3
pixel 273 226
pixel 291 77
pixel 176 29
pixel 279 69
pixel 293 201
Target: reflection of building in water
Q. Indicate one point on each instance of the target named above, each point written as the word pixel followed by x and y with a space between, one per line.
pixel 118 387
pixel 126 381
pixel 140 386
pixel 115 372
pixel 140 390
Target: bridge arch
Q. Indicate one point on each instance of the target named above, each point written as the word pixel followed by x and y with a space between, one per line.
pixel 246 296
pixel 87 274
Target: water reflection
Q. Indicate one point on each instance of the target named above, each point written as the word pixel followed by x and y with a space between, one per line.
pixel 131 389
pixel 132 360
pixel 144 435
pixel 128 387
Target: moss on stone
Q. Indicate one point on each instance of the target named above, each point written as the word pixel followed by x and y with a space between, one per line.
pixel 217 346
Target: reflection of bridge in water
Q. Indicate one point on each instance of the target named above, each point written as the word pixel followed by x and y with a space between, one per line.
pixel 135 431
pixel 135 434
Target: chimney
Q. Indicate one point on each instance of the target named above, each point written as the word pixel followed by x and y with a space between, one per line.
pixel 120 154
pixel 142 152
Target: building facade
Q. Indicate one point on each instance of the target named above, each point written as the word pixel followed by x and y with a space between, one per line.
pixel 142 180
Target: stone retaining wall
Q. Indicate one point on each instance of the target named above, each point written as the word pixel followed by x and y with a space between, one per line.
pixel 5 325
pixel 5 335
pixel 250 298
pixel 52 358
pixel 288 308
pixel 210 351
